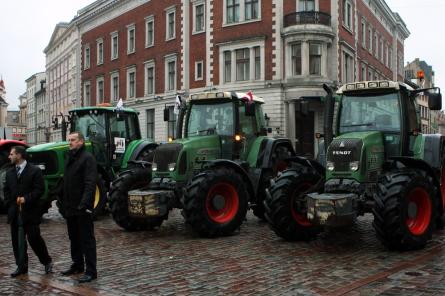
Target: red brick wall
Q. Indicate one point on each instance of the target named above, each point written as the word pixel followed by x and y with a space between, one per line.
pixel 197 53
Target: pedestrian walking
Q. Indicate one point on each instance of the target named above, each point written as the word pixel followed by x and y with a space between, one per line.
pixel 79 186
pixel 23 189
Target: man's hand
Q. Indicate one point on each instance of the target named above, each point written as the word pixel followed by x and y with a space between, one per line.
pixel 20 200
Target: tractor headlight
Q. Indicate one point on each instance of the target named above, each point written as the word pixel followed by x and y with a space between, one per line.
pixel 171 166
pixel 353 166
pixel 330 166
pixel 154 167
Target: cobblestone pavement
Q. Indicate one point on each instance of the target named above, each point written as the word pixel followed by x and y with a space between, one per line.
pixel 254 261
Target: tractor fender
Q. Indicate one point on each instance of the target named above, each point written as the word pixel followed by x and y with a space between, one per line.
pixel 236 167
pixel 423 165
pixel 433 150
pixel 304 161
pixel 140 147
pixel 268 146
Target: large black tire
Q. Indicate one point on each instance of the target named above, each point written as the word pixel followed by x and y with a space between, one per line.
pixel 136 176
pixel 405 209
pixel 285 204
pixel 215 202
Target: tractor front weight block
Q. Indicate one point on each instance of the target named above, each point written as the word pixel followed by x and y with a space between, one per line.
pixel 333 210
pixel 149 203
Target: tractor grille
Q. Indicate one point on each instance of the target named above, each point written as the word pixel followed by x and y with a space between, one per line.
pixel 343 151
pixel 165 154
pixel 46 160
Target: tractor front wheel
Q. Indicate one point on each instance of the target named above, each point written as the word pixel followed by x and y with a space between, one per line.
pixel 285 204
pixel 136 176
pixel 405 209
pixel 215 202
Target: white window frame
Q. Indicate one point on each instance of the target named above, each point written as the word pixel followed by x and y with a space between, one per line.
pixel 197 64
pixel 153 123
pixel 100 51
pixel 131 28
pixel 370 39
pixel 100 100
pixel 241 45
pixel 170 35
pixel 131 70
pixel 351 69
pixel 363 72
pixel 86 95
pixel 87 57
pixel 148 20
pixel 364 33
pixel 242 14
pixel 114 53
pixel 112 77
pixel 168 59
pixel 376 45
pixel 301 9
pixel 387 55
pixel 381 49
pixel 197 3
pixel 147 65
pixel 347 22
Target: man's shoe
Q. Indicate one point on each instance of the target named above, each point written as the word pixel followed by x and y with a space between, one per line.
pixel 86 278
pixel 19 271
pixel 72 270
pixel 49 268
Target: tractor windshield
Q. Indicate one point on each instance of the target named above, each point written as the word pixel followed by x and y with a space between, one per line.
pixel 372 112
pixel 91 125
pixel 214 118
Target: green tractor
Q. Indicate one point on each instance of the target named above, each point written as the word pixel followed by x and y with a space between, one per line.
pixel 377 163
pixel 220 163
pixel 112 136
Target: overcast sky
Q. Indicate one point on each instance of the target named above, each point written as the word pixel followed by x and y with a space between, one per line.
pixel 26 27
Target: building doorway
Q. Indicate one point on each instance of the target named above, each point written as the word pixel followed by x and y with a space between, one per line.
pixel 304 133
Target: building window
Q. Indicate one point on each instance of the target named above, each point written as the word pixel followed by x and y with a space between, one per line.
pixel 87 93
pixel 114 45
pixel 363 34
pixel 150 114
pixel 87 57
pixel 233 11
pixel 381 50
pixel 242 64
pixel 306 5
pixel 131 83
pixel 257 53
pixel 149 78
pixel 170 22
pixel 100 51
pixel 387 55
pixel 347 14
pixel 170 73
pixel 370 40
pixel 363 73
pixel 100 90
pixel 314 59
pixel 251 9
pixel 199 70
pixel 114 86
pixel 296 59
pixel 227 66
pixel 348 68
pixel 171 124
pixel 389 58
pixel 131 40
pixel 199 19
pixel 376 45
pixel 149 31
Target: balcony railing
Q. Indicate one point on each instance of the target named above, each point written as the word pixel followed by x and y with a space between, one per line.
pixel 307 17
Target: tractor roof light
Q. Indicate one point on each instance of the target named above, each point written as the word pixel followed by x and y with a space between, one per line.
pixel 373 84
pixel 360 85
pixel 384 84
pixel 350 86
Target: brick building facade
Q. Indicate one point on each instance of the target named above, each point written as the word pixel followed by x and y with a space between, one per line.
pixel 147 52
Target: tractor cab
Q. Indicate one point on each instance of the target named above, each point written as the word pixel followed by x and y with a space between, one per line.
pixel 108 130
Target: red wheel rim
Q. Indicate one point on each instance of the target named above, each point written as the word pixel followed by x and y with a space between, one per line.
pixel 299 217
pixel 227 195
pixel 419 198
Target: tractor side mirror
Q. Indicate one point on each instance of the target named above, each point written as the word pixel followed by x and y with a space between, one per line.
pixel 250 109
pixel 435 101
pixel 166 114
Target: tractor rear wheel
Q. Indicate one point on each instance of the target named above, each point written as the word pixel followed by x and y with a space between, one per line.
pixel 405 209
pixel 285 204
pixel 136 176
pixel 215 202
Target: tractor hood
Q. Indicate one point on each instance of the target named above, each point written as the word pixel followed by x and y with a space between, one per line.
pixel 356 155
pixel 180 157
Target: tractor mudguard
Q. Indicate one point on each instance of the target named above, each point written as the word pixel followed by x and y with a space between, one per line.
pixel 433 150
pixel 309 163
pixel 134 149
pixel 268 146
pixel 238 168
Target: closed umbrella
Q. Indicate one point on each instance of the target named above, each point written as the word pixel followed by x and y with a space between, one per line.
pixel 21 238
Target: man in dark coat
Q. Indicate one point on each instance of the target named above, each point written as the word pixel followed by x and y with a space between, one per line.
pixel 24 186
pixel 79 187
